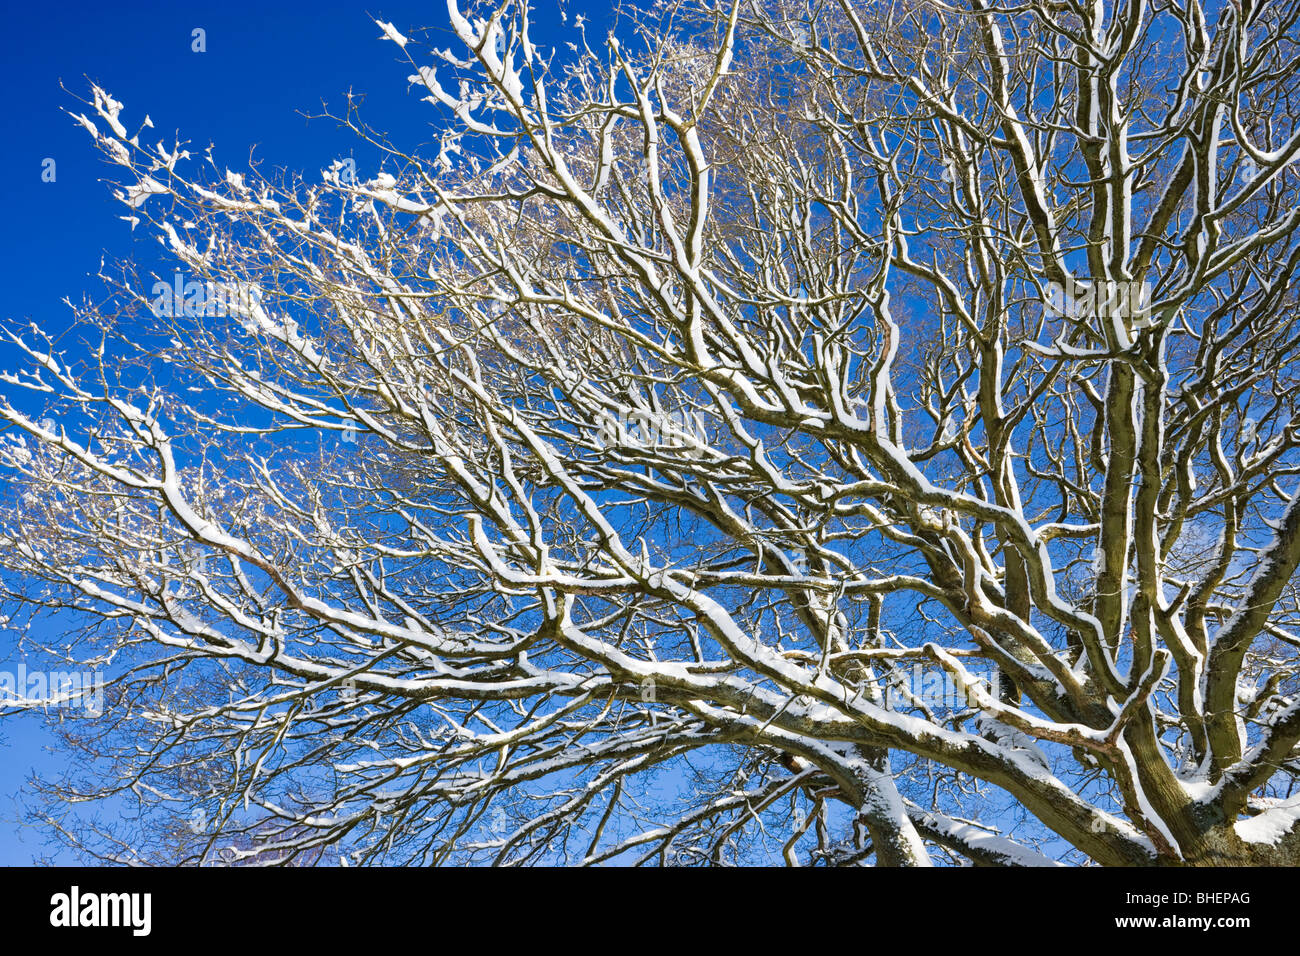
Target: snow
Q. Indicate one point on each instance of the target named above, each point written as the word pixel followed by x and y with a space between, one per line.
pixel 1273 824
pixel 136 195
pixel 109 109
pixel 1016 740
pixel 88 124
pixel 980 838
pixel 391 33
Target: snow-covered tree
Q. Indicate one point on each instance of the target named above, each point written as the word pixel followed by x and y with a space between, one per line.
pixel 823 432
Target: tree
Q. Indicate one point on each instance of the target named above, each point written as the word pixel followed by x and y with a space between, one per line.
pixel 838 433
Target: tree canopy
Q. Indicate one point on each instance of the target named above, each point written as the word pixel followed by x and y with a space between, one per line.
pixel 831 433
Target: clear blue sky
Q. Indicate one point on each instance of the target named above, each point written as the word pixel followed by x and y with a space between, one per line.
pixel 265 63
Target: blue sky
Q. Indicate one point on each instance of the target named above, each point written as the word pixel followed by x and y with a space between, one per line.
pixel 264 65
